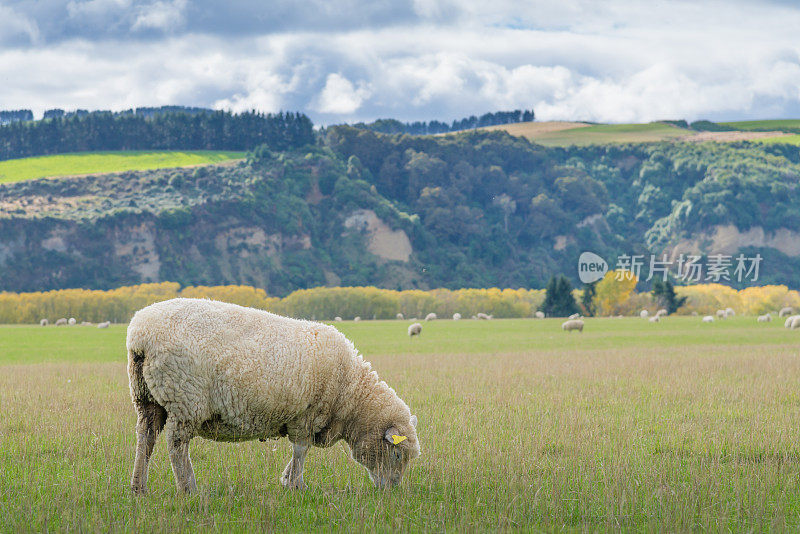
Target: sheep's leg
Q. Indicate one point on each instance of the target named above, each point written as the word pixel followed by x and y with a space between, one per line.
pixel 149 423
pixel 178 436
pixel 293 474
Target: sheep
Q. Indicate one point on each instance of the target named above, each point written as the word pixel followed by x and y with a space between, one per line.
pixel 430 317
pixel 337 319
pixel 795 323
pixel 228 373
pixel 86 323
pixel 474 317
pixel 61 322
pixel 643 314
pixel 764 318
pixel 572 324
pixel 694 314
pixel 721 314
pixel 708 319
pixel 44 322
pixel 539 315
pixel 662 313
pixel 574 316
pixel 785 311
pixel 456 316
pixel 356 319
pixel 729 312
pixel 414 330
pixel 104 325
pixel 72 321
pixel 788 322
pixel 655 319
pixel 482 316
pixel 399 316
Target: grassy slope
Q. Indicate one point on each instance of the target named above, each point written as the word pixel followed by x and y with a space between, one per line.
pixel 16 170
pixel 599 133
pixel 678 425
pixel 764 125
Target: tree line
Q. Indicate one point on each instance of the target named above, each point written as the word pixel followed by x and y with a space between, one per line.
pixel 393 126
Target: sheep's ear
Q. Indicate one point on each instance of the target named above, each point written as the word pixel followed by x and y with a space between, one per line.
pixel 393 436
pixel 414 421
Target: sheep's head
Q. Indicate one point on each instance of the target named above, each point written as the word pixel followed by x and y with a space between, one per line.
pixel 386 452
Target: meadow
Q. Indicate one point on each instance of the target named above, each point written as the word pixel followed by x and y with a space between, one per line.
pixel 631 425
pixel 587 134
pixel 16 170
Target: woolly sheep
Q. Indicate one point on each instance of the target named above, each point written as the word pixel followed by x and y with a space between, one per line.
pixel 539 315
pixel 708 319
pixel 104 325
pixel 483 316
pixel 643 314
pixel 788 322
pixel 721 314
pixel 399 316
pixel 694 314
pixel 456 316
pixel 430 317
pixel 785 311
pixel 655 319
pixel 572 324
pixel 337 319
pixel 227 373
pixel 414 329
pixel 86 323
pixel 61 322
pixel 795 323
pixel 729 312
pixel 356 319
pixel 72 321
pixel 574 316
pixel 661 313
pixel 44 322
pixel 764 318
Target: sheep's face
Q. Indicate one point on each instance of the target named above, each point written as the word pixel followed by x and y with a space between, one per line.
pixel 386 453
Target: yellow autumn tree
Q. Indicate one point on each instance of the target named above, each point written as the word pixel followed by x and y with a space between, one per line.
pixel 613 292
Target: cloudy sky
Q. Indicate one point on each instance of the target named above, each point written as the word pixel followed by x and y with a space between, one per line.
pixel 346 60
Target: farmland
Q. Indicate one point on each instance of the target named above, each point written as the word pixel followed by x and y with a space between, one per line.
pixel 16 170
pixel 678 425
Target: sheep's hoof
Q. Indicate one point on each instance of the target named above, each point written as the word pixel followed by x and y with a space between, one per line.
pixel 139 491
pixel 296 484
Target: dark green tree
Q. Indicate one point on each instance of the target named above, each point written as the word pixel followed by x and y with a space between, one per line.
pixel 587 300
pixel 664 293
pixel 558 300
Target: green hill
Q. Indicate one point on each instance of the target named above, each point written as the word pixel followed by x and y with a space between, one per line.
pixel 16 170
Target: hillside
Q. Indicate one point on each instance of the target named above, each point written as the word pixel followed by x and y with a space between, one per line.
pixel 477 209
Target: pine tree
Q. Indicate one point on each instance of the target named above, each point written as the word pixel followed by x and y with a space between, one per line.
pixel 558 299
pixel 664 293
pixel 587 300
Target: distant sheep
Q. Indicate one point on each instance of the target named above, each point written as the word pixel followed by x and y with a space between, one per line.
pixel 86 323
pixel 484 317
pixel 764 318
pixel 788 322
pixel 795 323
pixel 61 322
pixel 399 316
pixel 721 314
pixel 430 317
pixel 456 316
pixel 474 317
pixel 694 314
pixel 729 312
pixel 655 319
pixel 785 311
pixel 356 319
pixel 104 325
pixel 661 313
pixel 574 316
pixel 572 324
pixel 337 319
pixel 643 314
pixel 72 321
pixel 708 319
pixel 539 315
pixel 414 329
pixel 44 322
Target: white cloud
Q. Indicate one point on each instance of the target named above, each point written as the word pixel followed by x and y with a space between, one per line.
pixel 340 96
pixel 162 16
pixel 14 26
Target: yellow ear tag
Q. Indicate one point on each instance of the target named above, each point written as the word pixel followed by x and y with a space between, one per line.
pixel 398 439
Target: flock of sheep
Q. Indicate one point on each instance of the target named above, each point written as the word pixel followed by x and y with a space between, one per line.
pixel 415 329
pixel 72 322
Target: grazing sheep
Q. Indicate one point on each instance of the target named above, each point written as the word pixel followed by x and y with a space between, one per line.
pixel 484 317
pixel 795 323
pixel 414 329
pixel 104 325
pixel 729 312
pixel 788 322
pixel 643 314
pixel 456 316
pixel 572 324
pixel 694 314
pixel 227 373
pixel 574 316
pixel 721 314
pixel 86 323
pixel 474 317
pixel 44 322
pixel 785 311
pixel 61 322
pixel 337 319
pixel 430 317
pixel 72 321
pixel 661 313
pixel 764 318
pixel 399 316
pixel 655 319
pixel 539 315
pixel 356 319
pixel 708 319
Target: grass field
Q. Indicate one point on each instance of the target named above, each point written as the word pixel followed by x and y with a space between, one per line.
pixel 631 425
pixel 788 139
pixel 16 170
pixel 764 125
pixel 580 134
